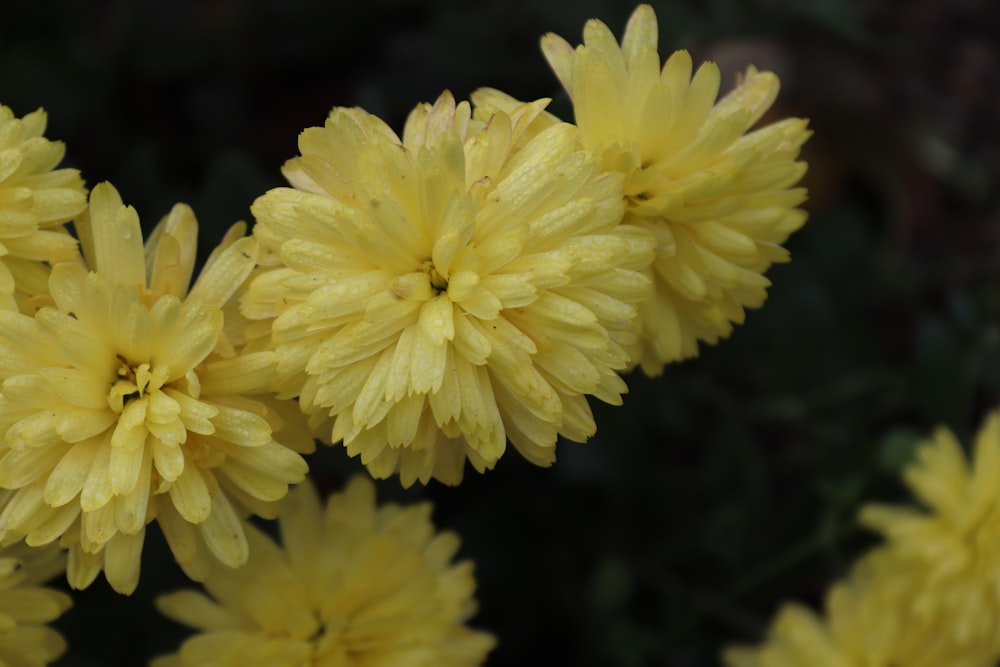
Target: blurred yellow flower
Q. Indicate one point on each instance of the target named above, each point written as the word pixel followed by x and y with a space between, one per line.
pixel 26 606
pixel 353 585
pixel 956 544
pixel 443 292
pixel 720 200
pixel 126 402
pixel 930 595
pixel 35 200
pixel 870 621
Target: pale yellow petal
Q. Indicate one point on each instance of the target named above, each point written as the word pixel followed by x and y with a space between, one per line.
pixel 187 334
pixel 67 477
pixel 82 567
pixel 247 373
pixel 121 561
pixel 168 459
pixel 223 533
pixel 227 273
pixel 241 427
pixel 170 251
pixel 132 507
pixel 116 237
pixel 97 491
pixel 190 496
pixel 197 611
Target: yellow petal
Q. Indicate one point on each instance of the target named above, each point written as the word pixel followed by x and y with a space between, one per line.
pixel 190 496
pixel 82 567
pixel 641 34
pixel 98 526
pixel 185 334
pixel 77 387
pixel 57 523
pixel 132 507
pixel 81 424
pixel 168 459
pixel 261 484
pixel 241 427
pixel 223 533
pixel 181 536
pixel 116 237
pixel 559 55
pixel 227 273
pixel 247 373
pixel 20 467
pixel 68 476
pixel 131 431
pixel 126 466
pixel 196 610
pixel 196 415
pixel 170 251
pixel 130 326
pixel 121 561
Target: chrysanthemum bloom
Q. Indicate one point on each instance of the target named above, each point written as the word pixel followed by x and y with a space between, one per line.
pixel 719 200
pixel 445 292
pixel 126 401
pixel 35 200
pixel 869 622
pixel 26 606
pixel 955 543
pixel 353 585
pixel 929 596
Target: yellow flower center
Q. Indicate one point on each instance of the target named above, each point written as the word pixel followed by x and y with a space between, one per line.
pixel 438 282
pixel 134 381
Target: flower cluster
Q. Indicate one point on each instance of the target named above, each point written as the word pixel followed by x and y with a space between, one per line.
pixel 436 295
pixel 423 298
pixel 930 595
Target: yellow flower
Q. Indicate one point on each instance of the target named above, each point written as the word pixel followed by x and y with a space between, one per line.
pixel 719 200
pixel 353 585
pixel 870 621
pixel 35 200
pixel 956 544
pixel 126 401
pixel 442 293
pixel 26 606
pixel 929 596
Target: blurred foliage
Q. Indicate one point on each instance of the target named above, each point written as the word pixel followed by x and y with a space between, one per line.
pixel 721 488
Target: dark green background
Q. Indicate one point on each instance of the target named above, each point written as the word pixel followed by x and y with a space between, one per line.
pixel 723 487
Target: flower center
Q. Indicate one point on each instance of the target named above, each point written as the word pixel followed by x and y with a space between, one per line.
pixel 438 282
pixel 133 382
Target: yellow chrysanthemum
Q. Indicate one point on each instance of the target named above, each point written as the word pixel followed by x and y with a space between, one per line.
pixel 955 545
pixel 26 606
pixel 870 621
pixel 719 200
pixel 126 401
pixel 353 585
pixel 35 200
pixel 929 596
pixel 445 292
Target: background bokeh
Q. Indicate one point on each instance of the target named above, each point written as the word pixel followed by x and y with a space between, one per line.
pixel 719 489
